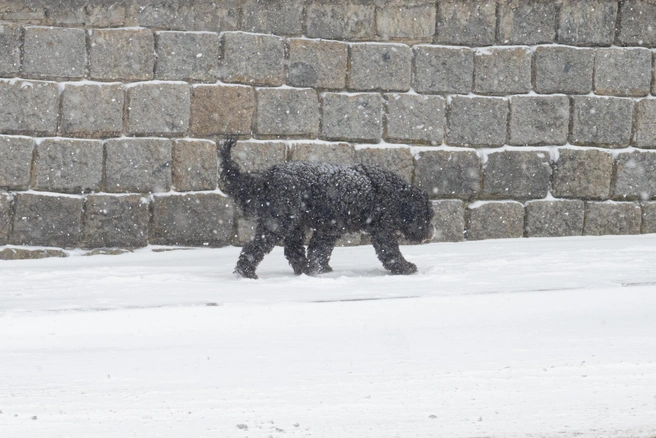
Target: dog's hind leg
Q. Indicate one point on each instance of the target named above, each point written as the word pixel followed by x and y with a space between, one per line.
pixel 319 251
pixel 295 251
pixel 387 250
pixel 254 251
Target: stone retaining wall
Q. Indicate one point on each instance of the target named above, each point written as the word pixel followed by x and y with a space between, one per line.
pixel 520 118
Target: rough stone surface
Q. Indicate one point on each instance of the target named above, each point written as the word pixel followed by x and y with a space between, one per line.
pixel 502 71
pixel 116 221
pixel 584 174
pixel 340 19
pixel 30 254
pixel 253 59
pixel 495 220
pixel 636 26
pixel 380 67
pixel 466 23
pixel 448 174
pixel 218 109
pixel 220 16
pixel 563 70
pixel 635 176
pixel 116 54
pixel 187 56
pixel 611 218
pixel 192 220
pixel 68 166
pixel 336 153
pixel 165 15
pixel 5 217
pixel 158 108
pixel 443 70
pixel 15 162
pixel 589 23
pixel 280 17
pixel 522 22
pixel 92 110
pixel 253 156
pixel 623 72
pixel 41 220
pixel 317 64
pixel 516 175
pixel 352 117
pixel 89 14
pixel 398 160
pixel 648 225
pixel 406 20
pixel 195 165
pixel 601 121
pixel 54 52
pixel 645 127
pixel 10 54
pixel 137 165
pixel 554 218
pixel 287 112
pixel 539 120
pixel 28 107
pixel 415 118
pixel 449 220
pixel 477 121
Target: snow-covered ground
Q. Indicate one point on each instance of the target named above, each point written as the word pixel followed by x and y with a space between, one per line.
pixel 506 338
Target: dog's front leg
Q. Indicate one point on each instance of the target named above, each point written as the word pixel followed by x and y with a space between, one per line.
pixel 387 250
pixel 254 251
pixel 319 252
pixel 295 251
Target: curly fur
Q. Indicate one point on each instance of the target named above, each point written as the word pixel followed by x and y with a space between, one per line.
pixel 292 198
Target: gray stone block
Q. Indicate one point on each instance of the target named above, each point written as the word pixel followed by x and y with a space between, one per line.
pixel 566 70
pixel 220 16
pixel 635 176
pixel 54 53
pixel 603 218
pixel 352 117
pixel 636 25
pixel 195 165
pixel 244 228
pixel 5 217
pixel 467 23
pixel 121 54
pixel 287 112
pixel 280 17
pixel 589 23
pixel 623 72
pixel 169 14
pixel 192 220
pixel 29 107
pixel 584 174
pixel 116 221
pixel 653 82
pixel 415 118
pixel 187 56
pixel 539 120
pixel 522 22
pixel 30 254
pixel 477 121
pixel 502 71
pixel 218 109
pixel 406 20
pixel 601 121
pixel 73 13
pixel 443 70
pixel 10 50
pixel 158 108
pixel 336 153
pixel 648 223
pixel 340 19
pixel 41 220
pixel 449 220
pixel 398 160
pixel 554 218
pixel 15 162
pixel 253 59
pixel 645 127
pixel 92 110
pixel 137 165
pixel 448 174
pixel 495 220
pixel 317 64
pixel 385 67
pixel 253 156
pixel 517 175
pixel 68 166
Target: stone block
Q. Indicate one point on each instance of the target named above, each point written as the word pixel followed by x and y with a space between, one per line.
pixel 415 118
pixel 335 153
pixel 41 220
pixel 449 220
pixel 254 156
pixel 653 82
pixel 406 20
pixel 54 53
pixel 244 229
pixel 137 165
pixel 602 218
pixel 502 71
pixel 192 220
pixel 280 17
pixel 539 120
pixel 601 121
pixel 623 72
pixel 73 13
pixel 195 165
pixel 116 221
pixel 495 220
pixel 169 14
pixel 121 54
pixel 29 107
pixel 448 174
pixel 68 166
pixel 5 217
pixel 517 175
pixel 15 162
pixel 565 70
pixel 645 128
pixel 317 64
pixel 220 16
pixel 287 112
pixel 30 254
pixel 589 23
pixel 477 121
pixel 10 53
pixel 443 70
pixel 219 109
pixel 340 19
pixel 158 108
pixel 398 160
pixel 187 56
pixel 385 67
pixel 648 223
pixel 466 23
pixel 253 59
pixel 635 176
pixel 584 174
pixel 637 23
pixel 352 117
pixel 522 22
pixel 554 218
pixel 92 110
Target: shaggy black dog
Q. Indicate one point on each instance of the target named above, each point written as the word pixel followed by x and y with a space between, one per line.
pixel 292 198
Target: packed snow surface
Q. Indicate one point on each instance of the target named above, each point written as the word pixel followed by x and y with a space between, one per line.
pixel 506 338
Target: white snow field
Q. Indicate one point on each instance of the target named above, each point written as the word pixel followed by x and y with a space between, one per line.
pixel 505 338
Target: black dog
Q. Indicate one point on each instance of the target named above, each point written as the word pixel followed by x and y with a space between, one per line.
pixel 292 198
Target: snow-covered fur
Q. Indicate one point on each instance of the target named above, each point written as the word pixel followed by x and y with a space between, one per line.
pixel 292 198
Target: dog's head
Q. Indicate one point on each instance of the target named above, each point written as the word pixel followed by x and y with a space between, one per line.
pixel 415 214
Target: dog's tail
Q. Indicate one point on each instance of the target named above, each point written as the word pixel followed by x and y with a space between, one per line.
pixel 235 183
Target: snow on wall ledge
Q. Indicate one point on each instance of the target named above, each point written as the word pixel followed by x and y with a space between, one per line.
pixel 519 118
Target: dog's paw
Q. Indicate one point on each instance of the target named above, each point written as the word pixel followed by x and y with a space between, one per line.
pixel 405 268
pixel 316 270
pixel 245 273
